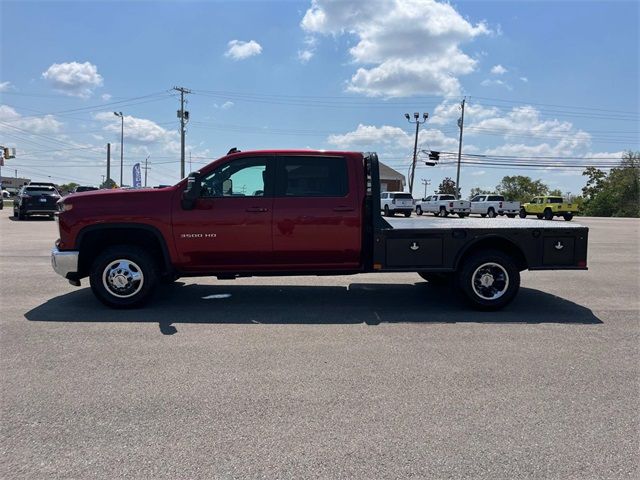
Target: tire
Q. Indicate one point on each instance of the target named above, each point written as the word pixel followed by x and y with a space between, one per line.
pixel 436 279
pixel 523 213
pixel 491 213
pixel 386 211
pixel 123 263
pixel 462 215
pixel 489 280
pixel 568 216
pixel 21 215
pixel 443 212
pixel 511 215
pixel 548 214
pixel 436 214
pixel 418 210
pixel 407 214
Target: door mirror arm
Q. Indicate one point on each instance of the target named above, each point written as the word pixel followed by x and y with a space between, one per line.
pixel 192 192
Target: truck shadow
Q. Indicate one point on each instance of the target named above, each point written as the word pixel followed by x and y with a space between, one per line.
pixel 290 304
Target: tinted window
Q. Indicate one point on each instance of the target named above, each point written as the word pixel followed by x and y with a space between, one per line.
pixel 554 200
pixel 403 196
pixel 40 190
pixel 244 177
pixel 447 197
pixel 312 177
pixel 496 198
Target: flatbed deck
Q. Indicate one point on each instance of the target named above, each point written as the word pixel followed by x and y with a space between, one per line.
pixel 426 222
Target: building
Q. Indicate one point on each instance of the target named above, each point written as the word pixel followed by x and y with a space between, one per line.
pixel 13 184
pixel 390 179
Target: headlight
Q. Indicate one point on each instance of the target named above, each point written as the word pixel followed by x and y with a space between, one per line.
pixel 64 207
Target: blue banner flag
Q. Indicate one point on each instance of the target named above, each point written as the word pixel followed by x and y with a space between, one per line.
pixel 137 176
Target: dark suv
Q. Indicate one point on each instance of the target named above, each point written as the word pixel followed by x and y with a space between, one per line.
pixel 35 200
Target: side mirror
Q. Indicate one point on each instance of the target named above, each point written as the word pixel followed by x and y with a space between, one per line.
pixel 192 192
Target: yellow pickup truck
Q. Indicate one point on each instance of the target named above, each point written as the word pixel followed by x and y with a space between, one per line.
pixel 548 207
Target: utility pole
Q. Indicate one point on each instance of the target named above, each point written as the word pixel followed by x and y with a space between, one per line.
pixel 108 162
pixel 184 118
pixel 119 114
pixel 146 167
pixel 426 183
pixel 461 125
pixel 190 165
pixel 417 121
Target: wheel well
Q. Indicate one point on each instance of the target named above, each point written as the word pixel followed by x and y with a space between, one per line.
pixel 96 240
pixel 496 243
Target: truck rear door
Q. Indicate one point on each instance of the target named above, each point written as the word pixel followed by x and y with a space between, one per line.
pixel 316 214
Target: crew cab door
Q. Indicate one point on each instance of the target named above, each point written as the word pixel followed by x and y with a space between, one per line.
pixel 316 215
pixel 230 226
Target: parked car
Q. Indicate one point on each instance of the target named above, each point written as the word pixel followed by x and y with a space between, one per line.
pixel 548 207
pixel 442 205
pixel 318 214
pixel 493 205
pixel 35 200
pixel 84 188
pixel 392 202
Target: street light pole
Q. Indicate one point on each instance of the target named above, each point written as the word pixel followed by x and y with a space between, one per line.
pixel 119 114
pixel 417 121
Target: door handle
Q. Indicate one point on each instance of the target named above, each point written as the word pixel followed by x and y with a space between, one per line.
pixel 257 209
pixel 343 208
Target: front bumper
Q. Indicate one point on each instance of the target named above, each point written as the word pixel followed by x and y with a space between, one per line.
pixel 64 263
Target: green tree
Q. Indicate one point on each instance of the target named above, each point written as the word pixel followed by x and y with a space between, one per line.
pixel 477 191
pixel 67 187
pixel 619 192
pixel 108 183
pixel 556 192
pixel 447 185
pixel 595 182
pixel 521 188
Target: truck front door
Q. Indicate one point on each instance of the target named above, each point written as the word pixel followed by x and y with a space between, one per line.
pixel 316 216
pixel 230 225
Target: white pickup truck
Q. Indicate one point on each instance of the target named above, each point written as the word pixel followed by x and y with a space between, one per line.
pixel 493 205
pixel 443 205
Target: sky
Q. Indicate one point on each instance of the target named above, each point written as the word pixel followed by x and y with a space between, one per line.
pixel 549 86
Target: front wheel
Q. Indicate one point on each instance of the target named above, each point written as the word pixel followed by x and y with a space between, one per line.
pixel 568 216
pixel 418 210
pixel 123 276
pixel 489 280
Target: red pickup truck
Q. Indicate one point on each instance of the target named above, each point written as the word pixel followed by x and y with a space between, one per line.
pixel 292 213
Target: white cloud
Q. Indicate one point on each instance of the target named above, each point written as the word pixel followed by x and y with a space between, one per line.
pixel 305 55
pixel 140 130
pixel 498 70
pixel 499 83
pixel 449 112
pixel 478 173
pixel 105 96
pixel 5 86
pixel 239 50
pixel 73 78
pixel 368 135
pixel 406 47
pixel 524 79
pixel 39 125
pixel 226 105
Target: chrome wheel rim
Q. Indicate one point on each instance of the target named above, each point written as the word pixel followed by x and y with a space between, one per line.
pixel 490 281
pixel 122 278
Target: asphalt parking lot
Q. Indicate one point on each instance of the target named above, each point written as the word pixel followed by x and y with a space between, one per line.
pixel 368 376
